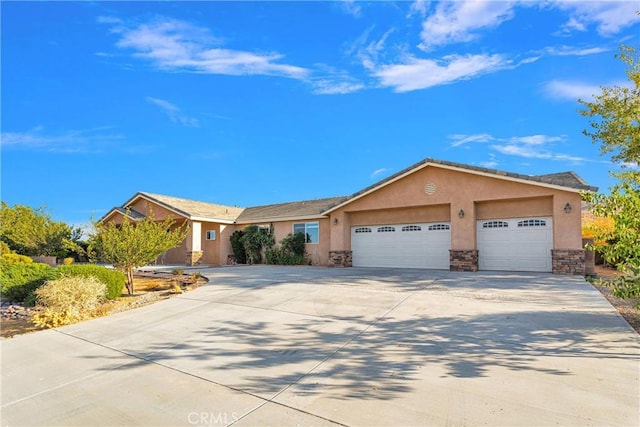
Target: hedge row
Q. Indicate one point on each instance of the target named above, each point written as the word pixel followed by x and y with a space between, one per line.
pixel 19 281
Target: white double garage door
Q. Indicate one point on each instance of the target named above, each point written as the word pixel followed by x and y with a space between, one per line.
pixel 516 244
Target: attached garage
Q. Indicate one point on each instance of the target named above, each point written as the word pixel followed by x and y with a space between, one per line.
pixel 423 245
pixel 515 244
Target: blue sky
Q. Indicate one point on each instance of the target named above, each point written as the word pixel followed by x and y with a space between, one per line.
pixel 250 103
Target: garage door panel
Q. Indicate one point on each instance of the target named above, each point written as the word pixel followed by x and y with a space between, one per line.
pixel 516 244
pixel 408 245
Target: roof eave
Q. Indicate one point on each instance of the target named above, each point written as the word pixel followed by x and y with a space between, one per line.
pixel 280 219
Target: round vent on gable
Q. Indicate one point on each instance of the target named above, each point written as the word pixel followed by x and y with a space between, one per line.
pixel 430 188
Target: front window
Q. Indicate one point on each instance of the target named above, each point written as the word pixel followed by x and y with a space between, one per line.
pixel 211 235
pixel 309 229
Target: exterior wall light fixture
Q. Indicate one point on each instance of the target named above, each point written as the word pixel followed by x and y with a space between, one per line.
pixel 461 214
pixel 567 208
pixel 335 221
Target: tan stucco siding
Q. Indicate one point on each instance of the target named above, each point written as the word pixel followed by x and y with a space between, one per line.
pixel 210 248
pixel 479 197
pixel 400 216
pixel 146 208
pixel 514 208
pixel 567 228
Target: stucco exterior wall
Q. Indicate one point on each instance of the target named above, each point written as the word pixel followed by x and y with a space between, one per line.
pixel 480 197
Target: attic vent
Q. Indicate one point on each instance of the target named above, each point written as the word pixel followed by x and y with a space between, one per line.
pixel 430 188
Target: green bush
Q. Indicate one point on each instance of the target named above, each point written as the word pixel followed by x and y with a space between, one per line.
pixel 114 279
pixel 68 300
pixel 13 259
pixel 237 245
pixel 20 280
pixel 290 252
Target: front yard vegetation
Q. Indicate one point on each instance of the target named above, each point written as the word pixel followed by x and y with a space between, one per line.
pixel 615 125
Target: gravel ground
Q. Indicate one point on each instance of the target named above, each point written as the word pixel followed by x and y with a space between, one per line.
pixel 626 307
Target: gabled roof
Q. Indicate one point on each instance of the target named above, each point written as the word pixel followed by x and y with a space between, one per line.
pixel 318 208
pixel 292 210
pixel 568 181
pixel 191 209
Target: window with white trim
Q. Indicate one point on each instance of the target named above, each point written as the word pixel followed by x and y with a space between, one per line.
pixel 309 229
pixel 363 230
pixel 411 228
pixel 495 224
pixel 211 235
pixel 437 227
pixel 386 229
pixel 532 223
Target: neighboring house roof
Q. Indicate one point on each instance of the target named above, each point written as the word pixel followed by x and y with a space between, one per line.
pixel 291 210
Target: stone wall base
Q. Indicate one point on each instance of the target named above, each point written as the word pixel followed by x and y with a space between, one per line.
pixel 463 260
pixel 340 258
pixel 194 258
pixel 568 261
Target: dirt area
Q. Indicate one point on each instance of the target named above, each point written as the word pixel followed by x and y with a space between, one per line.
pixel 149 287
pixel 626 307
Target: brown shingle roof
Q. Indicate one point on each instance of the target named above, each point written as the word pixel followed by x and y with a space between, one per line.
pixel 194 208
pixel 306 208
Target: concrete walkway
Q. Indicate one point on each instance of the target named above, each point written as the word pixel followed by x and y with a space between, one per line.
pixel 315 346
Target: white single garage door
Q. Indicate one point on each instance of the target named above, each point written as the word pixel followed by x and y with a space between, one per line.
pixel 402 245
pixel 515 244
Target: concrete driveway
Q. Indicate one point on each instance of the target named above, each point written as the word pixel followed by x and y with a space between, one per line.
pixel 316 346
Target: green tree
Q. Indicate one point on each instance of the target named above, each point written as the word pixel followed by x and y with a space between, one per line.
pixel 133 244
pixel 615 124
pixel 31 231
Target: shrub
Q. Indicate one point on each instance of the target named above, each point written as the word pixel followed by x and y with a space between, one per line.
pixel 14 259
pixel 18 281
pixel 114 279
pixel 68 300
pixel 237 245
pixel 628 285
pixel 177 271
pixel 68 261
pixel 290 252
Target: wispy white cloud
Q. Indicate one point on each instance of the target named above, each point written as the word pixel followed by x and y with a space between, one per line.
pixel 71 141
pixel 565 50
pixel 351 7
pixel 528 146
pixel 378 172
pixel 609 17
pixel 462 21
pixel 416 73
pixel 461 139
pixel 334 82
pixel 418 7
pixel 174 45
pixel 571 90
pixel 174 113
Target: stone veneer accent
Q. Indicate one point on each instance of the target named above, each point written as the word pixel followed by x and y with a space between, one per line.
pixel 194 258
pixel 568 261
pixel 463 260
pixel 340 258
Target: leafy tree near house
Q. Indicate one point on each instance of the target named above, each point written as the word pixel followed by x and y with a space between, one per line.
pixel 133 244
pixel 615 125
pixel 30 231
